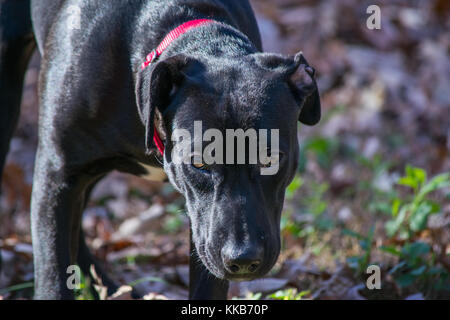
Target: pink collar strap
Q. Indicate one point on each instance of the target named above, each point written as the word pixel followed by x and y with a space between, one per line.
pixel 153 56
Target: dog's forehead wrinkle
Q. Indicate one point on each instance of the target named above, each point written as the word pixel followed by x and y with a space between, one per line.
pixel 238 94
pixel 223 70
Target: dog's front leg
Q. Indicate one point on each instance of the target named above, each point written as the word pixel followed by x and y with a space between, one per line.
pixel 56 207
pixel 202 284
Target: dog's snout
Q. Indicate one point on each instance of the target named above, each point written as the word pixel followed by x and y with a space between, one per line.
pixel 244 263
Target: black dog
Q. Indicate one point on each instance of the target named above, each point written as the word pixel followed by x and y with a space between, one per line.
pixel 99 109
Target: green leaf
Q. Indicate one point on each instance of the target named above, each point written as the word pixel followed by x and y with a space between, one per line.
pixel 436 270
pixel 420 248
pixel 403 233
pixel 438 182
pixel 409 171
pixel 415 177
pixel 279 295
pixel 408 181
pixel 255 296
pixel 380 206
pixel 418 220
pixel 288 294
pixel 324 224
pixel 17 287
pixel 391 250
pixel 419 271
pixel 302 294
pixel 420 175
pixel 395 206
pixel 293 187
pixel 319 207
pixel 405 280
pixel 416 249
pixel 397 267
pixel 324 148
pixel 392 226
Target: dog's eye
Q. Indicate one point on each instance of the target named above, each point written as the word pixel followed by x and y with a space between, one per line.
pixel 271 159
pixel 267 165
pixel 200 166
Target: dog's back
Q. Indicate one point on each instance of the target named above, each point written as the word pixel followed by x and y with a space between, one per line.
pixel 46 12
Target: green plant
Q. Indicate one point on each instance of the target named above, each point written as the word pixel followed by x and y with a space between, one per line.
pixel 289 226
pixel 84 292
pixel 417 266
pixel 293 187
pixel 360 263
pixel 17 287
pixel 417 263
pixel 314 201
pixel 411 215
pixel 312 206
pixel 323 148
pixel 375 192
pixel 288 294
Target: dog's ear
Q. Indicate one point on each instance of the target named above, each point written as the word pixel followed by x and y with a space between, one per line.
pixel 154 87
pixel 300 77
pixel 304 87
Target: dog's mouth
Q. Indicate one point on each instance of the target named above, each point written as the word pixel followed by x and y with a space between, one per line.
pixel 241 277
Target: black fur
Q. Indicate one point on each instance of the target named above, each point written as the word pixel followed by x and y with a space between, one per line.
pixel 98 109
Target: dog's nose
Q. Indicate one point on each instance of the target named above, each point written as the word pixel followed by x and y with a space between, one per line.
pixel 246 262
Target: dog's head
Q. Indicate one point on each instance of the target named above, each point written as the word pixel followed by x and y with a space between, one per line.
pixel 234 208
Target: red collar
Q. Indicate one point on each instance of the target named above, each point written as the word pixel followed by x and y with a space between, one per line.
pixel 154 55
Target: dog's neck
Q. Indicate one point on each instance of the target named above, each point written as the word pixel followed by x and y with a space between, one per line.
pixel 210 40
